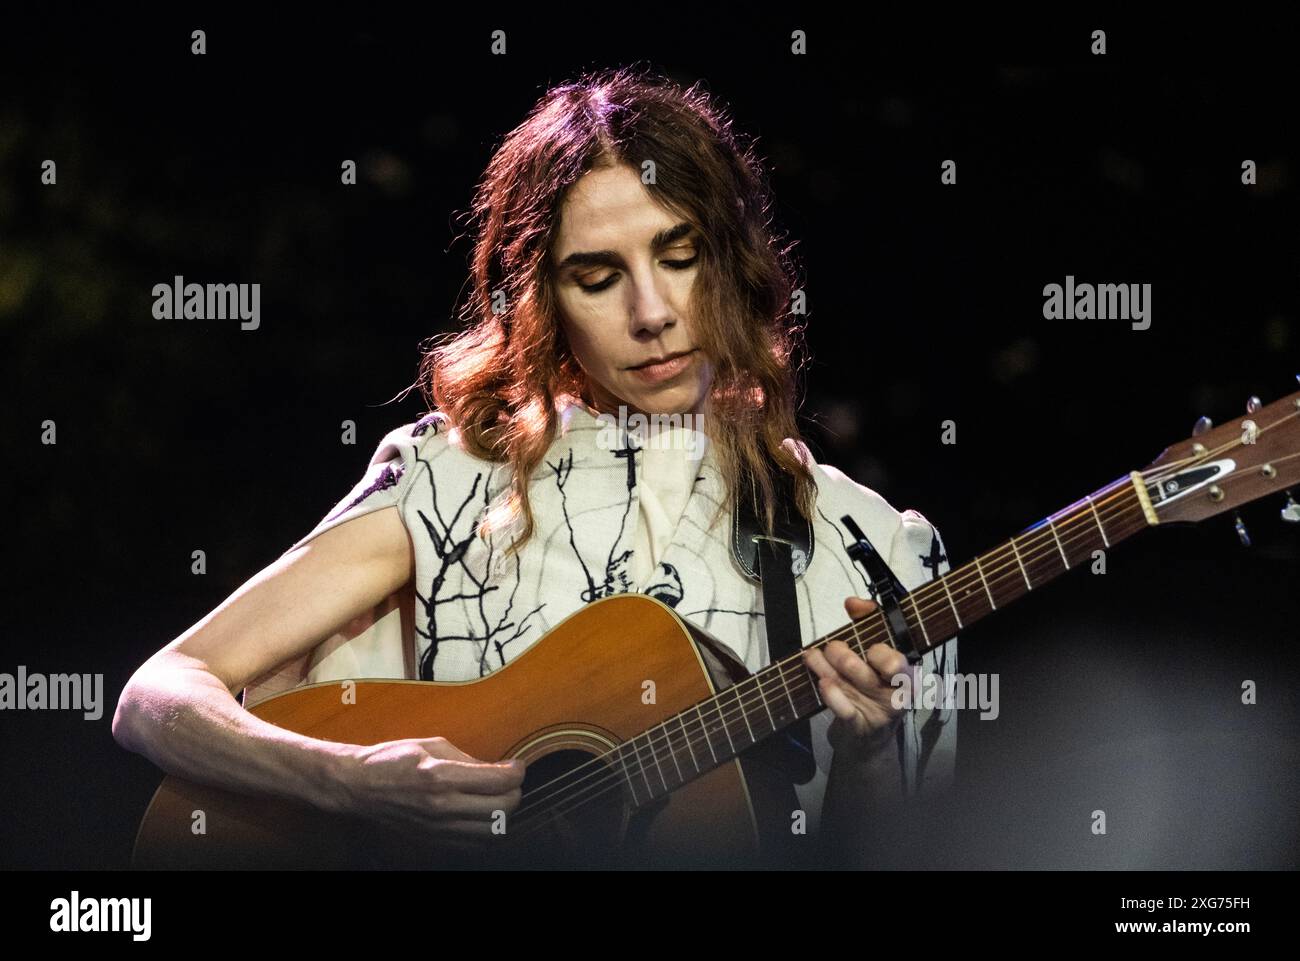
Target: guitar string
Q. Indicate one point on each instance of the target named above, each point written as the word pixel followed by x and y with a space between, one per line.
pixel 876 631
pixel 999 573
pixel 740 704
pixel 1153 473
pixel 613 779
pixel 1173 467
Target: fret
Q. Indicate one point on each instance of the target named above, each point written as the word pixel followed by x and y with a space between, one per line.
pixel 687 738
pixel 1052 527
pixel 968 591
pixel 857 639
pixel 708 738
pixel 812 684
pixel 722 717
pixel 920 620
pixel 650 745
pixel 763 697
pixel 955 613
pixel 1002 568
pixel 992 603
pixel 1097 517
pixel 744 711
pixel 930 597
pixel 794 710
pixel 1023 572
pixel 672 753
pixel 644 776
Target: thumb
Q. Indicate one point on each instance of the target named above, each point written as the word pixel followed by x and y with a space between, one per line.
pixel 858 606
pixel 444 750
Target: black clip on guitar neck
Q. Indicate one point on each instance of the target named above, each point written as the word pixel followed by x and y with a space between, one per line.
pixel 889 590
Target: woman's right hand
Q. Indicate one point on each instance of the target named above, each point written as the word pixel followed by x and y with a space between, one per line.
pixel 428 788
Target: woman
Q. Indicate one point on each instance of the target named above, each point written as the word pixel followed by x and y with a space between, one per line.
pixel 623 265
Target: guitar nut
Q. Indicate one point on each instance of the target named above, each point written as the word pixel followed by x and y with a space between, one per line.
pixel 1269 471
pixel 1216 492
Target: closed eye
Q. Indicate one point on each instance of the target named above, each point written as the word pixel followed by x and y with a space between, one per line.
pixel 609 281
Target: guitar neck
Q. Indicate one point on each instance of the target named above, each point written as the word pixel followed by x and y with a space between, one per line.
pixel 718 729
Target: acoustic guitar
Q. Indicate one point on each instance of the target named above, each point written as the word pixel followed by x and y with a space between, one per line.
pixel 688 777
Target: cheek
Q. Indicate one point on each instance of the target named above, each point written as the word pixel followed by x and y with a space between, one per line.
pixel 591 343
pixel 706 373
pixel 577 334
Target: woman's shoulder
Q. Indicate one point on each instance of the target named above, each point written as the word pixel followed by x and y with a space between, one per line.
pixel 423 447
pixel 430 432
pixel 837 491
pixel 904 536
pixel 431 439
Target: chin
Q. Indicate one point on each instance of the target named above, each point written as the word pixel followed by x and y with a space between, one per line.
pixel 670 400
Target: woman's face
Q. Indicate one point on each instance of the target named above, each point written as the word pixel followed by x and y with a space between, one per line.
pixel 623 269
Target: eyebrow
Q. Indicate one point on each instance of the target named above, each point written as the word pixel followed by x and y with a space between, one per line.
pixel 609 258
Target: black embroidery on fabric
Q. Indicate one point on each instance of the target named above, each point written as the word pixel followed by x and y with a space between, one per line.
pixel 629 452
pixel 617 577
pixel 386 478
pixel 934 557
pixel 722 610
pixel 450 553
pixel 502 625
pixel 667 588
pixel 928 736
pixel 433 421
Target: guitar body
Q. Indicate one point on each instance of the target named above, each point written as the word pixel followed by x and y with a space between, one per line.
pixel 577 693
pixel 600 684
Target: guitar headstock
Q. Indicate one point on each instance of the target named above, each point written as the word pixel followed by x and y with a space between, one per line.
pixel 1221 468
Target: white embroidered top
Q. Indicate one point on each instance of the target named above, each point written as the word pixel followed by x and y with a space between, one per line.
pixel 610 518
pixel 669 467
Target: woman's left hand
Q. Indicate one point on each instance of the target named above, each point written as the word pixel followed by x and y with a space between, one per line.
pixel 857 690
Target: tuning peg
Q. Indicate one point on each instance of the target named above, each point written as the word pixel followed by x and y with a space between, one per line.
pixel 1291 510
pixel 1241 530
pixel 1202 425
pixel 1253 404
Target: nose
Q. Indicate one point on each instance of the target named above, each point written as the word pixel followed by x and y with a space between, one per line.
pixel 650 312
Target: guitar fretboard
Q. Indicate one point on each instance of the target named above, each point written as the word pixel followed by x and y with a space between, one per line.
pixel 716 730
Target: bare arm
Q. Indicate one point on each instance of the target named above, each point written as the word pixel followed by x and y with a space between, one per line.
pixel 179 709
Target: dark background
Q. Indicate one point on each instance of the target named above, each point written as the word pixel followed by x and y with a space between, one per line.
pixel 1119 692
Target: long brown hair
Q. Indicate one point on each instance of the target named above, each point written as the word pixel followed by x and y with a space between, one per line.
pixel 498 380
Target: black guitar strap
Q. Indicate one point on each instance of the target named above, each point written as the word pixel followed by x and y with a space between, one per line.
pixel 776 561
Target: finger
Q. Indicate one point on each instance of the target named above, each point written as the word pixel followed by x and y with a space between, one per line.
pixel 834 697
pixel 475 806
pixel 816 661
pixel 482 778
pixel 854 669
pixel 858 607
pixel 469 830
pixel 443 749
pixel 887 661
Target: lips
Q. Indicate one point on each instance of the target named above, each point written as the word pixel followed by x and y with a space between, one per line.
pixel 661 360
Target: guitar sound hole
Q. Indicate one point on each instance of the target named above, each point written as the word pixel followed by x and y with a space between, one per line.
pixel 578 819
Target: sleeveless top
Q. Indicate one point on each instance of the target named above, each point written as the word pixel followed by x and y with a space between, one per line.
pixel 610 517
